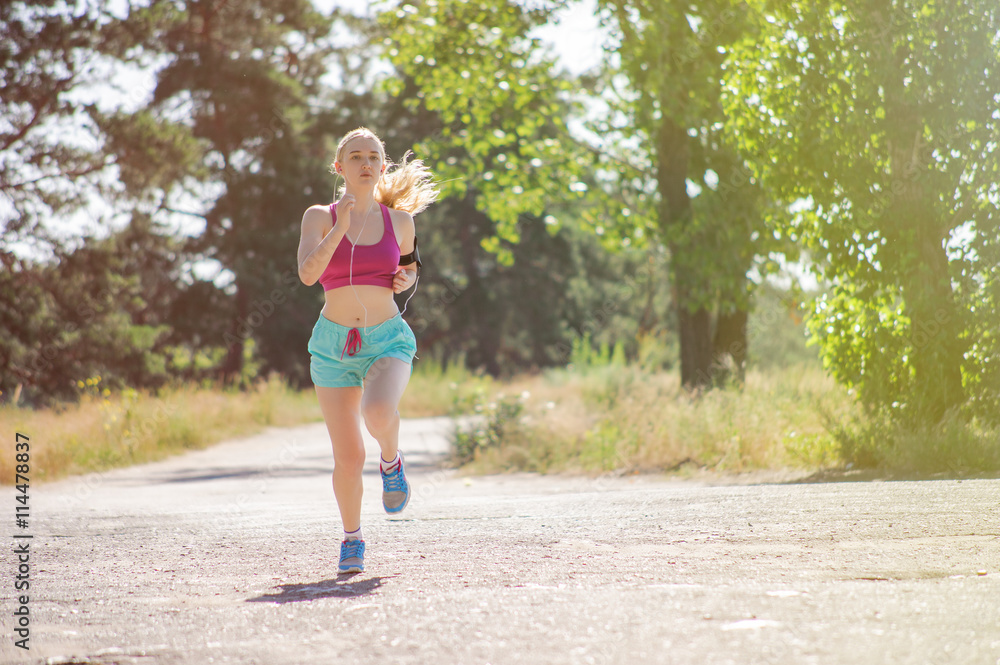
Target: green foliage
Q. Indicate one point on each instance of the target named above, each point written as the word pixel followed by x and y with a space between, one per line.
pixel 668 173
pixel 623 419
pixel 47 52
pixel 584 356
pixel 151 154
pixel 100 310
pixel 225 120
pixel 955 446
pixel 493 424
pixel 501 107
pixel 777 335
pixel 865 341
pixel 504 136
pixel 876 119
pixel 228 124
pixel 505 319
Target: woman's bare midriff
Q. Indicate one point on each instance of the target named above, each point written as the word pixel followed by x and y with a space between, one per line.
pixel 342 305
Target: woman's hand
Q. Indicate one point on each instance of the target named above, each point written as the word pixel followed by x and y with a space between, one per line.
pixel 403 279
pixel 345 207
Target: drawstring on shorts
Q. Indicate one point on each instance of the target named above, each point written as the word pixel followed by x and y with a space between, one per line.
pixel 353 343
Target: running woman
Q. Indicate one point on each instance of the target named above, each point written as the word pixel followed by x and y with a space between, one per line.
pixel 362 249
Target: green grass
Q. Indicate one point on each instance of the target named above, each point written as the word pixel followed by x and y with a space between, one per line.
pixel 620 418
pixel 956 446
pixel 437 389
pixel 588 419
pixel 625 419
pixel 107 430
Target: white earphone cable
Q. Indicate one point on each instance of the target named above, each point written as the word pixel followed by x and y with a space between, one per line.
pixel 350 270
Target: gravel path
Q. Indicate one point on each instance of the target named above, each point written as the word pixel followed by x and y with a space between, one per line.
pixel 229 555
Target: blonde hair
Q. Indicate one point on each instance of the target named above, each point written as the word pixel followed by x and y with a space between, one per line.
pixel 406 186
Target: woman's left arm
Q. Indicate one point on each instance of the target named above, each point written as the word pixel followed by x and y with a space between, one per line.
pixel 402 224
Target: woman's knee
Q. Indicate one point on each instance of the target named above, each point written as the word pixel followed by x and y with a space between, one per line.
pixel 379 416
pixel 349 459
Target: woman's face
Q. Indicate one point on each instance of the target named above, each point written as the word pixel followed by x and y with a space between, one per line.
pixel 361 161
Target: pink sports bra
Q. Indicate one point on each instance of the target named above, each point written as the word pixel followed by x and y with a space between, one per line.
pixel 374 265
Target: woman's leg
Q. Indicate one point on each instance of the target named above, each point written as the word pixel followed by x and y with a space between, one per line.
pixel 384 386
pixel 341 409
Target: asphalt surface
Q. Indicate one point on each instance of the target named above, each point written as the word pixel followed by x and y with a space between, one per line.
pixel 229 555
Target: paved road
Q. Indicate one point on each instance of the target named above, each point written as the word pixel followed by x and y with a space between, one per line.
pixel 229 556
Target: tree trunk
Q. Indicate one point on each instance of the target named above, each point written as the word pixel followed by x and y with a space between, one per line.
pixel 729 347
pixel 238 331
pixel 673 156
pixel 696 347
pixel 484 351
pixel 937 348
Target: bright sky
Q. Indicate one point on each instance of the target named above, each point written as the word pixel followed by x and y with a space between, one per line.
pixel 576 36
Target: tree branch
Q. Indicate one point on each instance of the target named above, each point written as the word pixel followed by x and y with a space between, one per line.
pixel 66 174
pixel 183 212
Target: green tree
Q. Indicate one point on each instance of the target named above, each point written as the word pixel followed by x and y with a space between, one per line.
pixel 238 79
pixel 61 138
pixel 47 51
pixel 499 147
pixel 683 182
pixel 99 309
pixel 880 120
pixel 505 113
pixel 74 308
pixel 502 111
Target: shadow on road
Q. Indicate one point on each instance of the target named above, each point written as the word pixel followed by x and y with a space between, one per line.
pixel 345 586
pixel 883 475
pixel 197 474
pixel 208 475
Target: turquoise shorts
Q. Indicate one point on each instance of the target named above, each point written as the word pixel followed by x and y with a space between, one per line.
pixel 341 357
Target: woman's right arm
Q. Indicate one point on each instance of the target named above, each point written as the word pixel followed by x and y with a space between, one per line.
pixel 319 240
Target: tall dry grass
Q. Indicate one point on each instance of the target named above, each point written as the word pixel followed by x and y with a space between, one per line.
pixel 956 446
pixel 437 389
pixel 623 418
pixel 587 419
pixel 107 430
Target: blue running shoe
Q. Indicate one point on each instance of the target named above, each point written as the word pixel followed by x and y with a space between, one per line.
pixel 395 490
pixel 352 556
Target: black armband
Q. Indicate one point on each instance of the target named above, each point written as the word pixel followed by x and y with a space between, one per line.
pixel 412 257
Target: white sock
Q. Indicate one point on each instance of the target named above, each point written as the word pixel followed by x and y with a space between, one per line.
pixel 385 466
pixel 353 535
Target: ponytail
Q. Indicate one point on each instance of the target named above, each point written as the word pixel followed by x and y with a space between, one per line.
pixel 406 186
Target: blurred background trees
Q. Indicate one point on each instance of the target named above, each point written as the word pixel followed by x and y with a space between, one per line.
pixel 155 162
pixel 883 118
